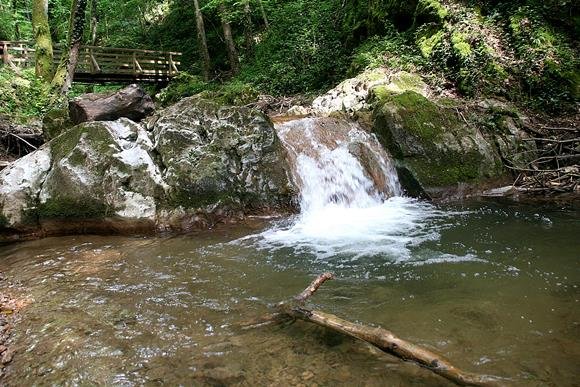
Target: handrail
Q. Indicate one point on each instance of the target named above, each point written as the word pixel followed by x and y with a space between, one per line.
pixel 96 63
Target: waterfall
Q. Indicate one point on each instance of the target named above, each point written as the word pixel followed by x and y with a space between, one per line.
pixel 337 164
pixel 351 202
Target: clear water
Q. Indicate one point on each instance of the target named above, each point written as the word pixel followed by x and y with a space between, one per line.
pixel 491 286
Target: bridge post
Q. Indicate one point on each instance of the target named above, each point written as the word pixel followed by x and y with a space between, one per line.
pixel 5 55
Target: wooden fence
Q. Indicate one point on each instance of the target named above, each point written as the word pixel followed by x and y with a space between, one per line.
pixel 103 64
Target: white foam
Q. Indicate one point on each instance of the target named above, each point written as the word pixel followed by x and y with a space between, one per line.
pixel 388 229
pixel 447 258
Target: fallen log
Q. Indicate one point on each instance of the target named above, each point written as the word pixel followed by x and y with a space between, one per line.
pixel 131 102
pixel 379 337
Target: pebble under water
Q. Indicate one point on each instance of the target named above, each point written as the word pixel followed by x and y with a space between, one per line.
pixel 491 286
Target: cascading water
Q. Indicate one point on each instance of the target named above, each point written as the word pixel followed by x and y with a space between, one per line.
pixel 350 202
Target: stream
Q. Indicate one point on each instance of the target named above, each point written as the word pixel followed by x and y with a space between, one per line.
pixel 491 285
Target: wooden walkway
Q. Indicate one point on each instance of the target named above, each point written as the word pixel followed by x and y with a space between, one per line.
pixel 103 64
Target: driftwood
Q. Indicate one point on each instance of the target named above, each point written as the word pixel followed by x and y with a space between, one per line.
pixel 556 168
pixel 378 337
pixel 18 140
pixel 131 102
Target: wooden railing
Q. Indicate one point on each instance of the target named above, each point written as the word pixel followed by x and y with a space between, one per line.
pixel 103 64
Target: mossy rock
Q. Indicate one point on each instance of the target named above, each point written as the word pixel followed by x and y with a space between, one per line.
pixel 73 207
pixel 398 83
pixel 55 122
pixel 101 169
pixel 227 156
pixel 433 144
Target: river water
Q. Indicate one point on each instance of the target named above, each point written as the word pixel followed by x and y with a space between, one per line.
pixel 492 286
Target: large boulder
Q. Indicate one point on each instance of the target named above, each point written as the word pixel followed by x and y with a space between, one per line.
pixel 439 149
pixel 357 94
pixel 200 165
pixel 225 156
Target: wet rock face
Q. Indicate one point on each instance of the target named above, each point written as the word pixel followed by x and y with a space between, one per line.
pixel 199 165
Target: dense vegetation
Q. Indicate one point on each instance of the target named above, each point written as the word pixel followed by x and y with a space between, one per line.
pixel 522 50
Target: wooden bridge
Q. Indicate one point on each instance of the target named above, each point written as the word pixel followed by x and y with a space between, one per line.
pixel 103 64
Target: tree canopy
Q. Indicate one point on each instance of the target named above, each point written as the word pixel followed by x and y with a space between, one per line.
pixel 520 49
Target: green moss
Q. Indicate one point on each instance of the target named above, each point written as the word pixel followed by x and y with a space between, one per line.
pixel 196 199
pixel 379 93
pixel 77 158
pixel 62 145
pixel 433 7
pixel 460 45
pixel 95 133
pixel 419 116
pixel 428 41
pixel 78 208
pixel 401 82
pixel 408 82
pixel 447 169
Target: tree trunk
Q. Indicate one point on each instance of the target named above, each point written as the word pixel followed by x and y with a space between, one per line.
pixel 266 24
pixel 42 38
pixel 248 26
pixel 131 102
pixel 231 47
pixel 202 40
pixel 16 23
pixel 65 73
pixel 94 22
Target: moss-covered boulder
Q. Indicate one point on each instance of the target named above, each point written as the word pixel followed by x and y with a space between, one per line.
pixel 434 147
pixel 100 170
pixel 221 156
pixel 201 164
pixel 356 94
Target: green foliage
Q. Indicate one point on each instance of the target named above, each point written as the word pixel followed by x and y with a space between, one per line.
pixel 431 9
pixel 15 20
pixel 461 48
pixel 235 92
pixel 549 66
pixel 302 51
pixel 184 85
pixel 23 95
pixel 522 50
pixel 392 50
pixel 78 89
